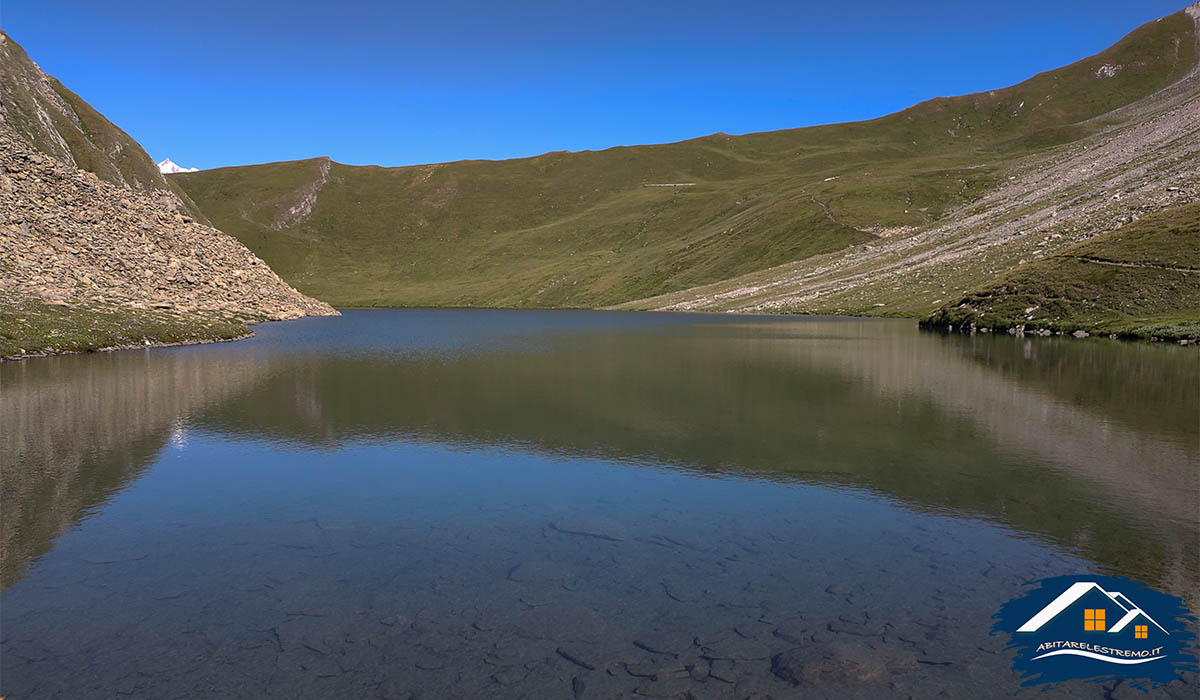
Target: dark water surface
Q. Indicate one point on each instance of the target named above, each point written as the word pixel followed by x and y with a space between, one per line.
pixel 479 504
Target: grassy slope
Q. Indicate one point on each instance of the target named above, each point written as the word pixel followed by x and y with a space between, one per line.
pixel 1140 280
pixel 29 327
pixel 577 229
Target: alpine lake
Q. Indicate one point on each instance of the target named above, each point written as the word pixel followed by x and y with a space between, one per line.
pixel 562 504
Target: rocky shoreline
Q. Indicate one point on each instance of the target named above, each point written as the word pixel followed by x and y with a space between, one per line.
pixel 946 325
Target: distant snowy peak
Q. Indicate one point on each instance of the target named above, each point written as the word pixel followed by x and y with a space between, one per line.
pixel 168 166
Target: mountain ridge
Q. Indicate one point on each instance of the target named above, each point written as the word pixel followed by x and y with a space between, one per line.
pixel 578 229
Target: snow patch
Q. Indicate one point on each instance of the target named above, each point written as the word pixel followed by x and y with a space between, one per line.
pixel 167 167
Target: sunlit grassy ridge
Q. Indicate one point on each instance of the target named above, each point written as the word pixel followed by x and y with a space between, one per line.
pixel 579 230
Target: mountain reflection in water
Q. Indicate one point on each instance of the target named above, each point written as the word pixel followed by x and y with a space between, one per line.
pixel 1089 447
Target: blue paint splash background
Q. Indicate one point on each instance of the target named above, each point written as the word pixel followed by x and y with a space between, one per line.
pixel 1169 611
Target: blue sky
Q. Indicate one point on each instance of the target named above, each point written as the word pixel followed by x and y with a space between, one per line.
pixel 226 82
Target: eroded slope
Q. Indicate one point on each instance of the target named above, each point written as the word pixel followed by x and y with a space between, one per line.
pixel 1135 160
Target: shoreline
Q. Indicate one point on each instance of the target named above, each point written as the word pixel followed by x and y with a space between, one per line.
pixel 1027 330
pixel 146 345
pixel 928 325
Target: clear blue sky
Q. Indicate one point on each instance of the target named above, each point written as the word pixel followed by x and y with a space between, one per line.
pixel 227 82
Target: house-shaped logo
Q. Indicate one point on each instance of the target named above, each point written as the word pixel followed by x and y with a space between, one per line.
pixel 1096 610
pixel 1097 627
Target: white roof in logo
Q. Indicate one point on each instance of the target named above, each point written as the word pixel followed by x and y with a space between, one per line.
pixel 1077 591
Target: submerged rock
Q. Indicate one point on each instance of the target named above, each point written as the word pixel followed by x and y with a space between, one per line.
pixel 584 526
pixel 840 665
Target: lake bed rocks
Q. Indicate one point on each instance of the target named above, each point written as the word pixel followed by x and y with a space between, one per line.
pixel 294 624
pixel 598 528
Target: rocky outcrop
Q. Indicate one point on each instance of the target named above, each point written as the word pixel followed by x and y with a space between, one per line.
pixel 304 199
pixel 69 238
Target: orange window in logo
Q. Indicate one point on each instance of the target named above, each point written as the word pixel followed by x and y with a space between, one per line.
pixel 1093 620
pixel 1141 631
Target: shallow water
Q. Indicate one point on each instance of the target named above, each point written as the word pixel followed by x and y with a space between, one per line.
pixel 577 504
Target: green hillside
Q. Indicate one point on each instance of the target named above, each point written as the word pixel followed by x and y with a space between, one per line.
pixel 1140 280
pixel 580 230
